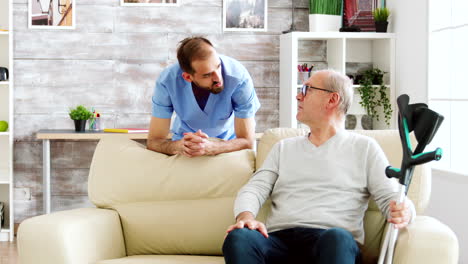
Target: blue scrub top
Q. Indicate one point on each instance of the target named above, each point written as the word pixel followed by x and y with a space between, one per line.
pixel 173 93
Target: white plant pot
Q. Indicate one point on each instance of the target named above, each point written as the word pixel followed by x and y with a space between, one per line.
pixel 324 23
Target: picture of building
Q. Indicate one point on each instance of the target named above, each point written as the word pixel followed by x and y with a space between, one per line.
pixel 51 13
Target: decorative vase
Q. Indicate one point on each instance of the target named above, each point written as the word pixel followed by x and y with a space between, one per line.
pixel 80 125
pixel 381 26
pixel 366 122
pixel 350 122
pixel 324 23
pixel 358 122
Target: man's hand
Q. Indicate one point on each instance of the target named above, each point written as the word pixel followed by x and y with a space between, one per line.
pixel 196 144
pixel 246 219
pixel 399 214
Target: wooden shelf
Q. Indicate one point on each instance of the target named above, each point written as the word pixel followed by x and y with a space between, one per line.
pixel 6 113
pixel 345 52
pixel 340 35
pixel 354 86
pixel 357 85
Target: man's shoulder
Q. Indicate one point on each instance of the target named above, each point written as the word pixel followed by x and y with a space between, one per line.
pixel 291 141
pixel 358 136
pixel 233 68
pixel 170 73
pixel 360 140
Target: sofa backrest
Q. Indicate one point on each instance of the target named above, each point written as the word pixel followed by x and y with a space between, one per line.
pixel 389 141
pixel 168 204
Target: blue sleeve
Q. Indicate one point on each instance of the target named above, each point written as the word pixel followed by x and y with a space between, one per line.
pixel 162 104
pixel 244 99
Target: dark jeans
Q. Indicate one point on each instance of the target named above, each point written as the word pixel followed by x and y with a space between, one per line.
pixel 295 245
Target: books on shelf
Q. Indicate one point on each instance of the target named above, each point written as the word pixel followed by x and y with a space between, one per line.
pixel 126 130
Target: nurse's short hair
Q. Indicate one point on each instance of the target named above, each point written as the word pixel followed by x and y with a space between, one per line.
pixel 341 84
pixel 191 49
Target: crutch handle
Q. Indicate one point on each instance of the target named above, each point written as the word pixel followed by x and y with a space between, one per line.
pixel 426 157
pixel 392 172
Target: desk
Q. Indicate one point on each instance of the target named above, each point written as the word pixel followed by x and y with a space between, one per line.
pixel 70 134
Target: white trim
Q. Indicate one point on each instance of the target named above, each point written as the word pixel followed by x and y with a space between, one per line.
pixel 339 35
pixel 122 3
pixel 265 21
pixel 450 173
pixel 448 99
pixel 31 26
pixel 11 124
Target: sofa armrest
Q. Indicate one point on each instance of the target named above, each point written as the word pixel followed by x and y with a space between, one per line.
pixel 428 241
pixel 71 237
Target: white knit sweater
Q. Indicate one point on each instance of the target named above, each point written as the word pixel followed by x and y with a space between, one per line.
pixel 321 187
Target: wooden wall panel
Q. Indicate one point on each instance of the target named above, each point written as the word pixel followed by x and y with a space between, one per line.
pixel 111 62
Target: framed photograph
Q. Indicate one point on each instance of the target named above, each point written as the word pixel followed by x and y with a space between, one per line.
pixel 51 14
pixel 245 15
pixel 149 2
pixel 358 13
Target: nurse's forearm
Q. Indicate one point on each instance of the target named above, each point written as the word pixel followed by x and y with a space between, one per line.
pixel 163 145
pixel 218 147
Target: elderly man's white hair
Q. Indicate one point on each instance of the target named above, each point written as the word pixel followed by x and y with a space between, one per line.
pixel 341 84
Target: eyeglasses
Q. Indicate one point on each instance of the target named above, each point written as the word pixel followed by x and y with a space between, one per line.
pixel 306 87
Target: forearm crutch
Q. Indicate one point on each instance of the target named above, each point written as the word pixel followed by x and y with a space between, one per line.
pixel 425 123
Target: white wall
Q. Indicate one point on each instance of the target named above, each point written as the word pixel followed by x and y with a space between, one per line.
pixel 448 204
pixel 409 20
pixel 449 190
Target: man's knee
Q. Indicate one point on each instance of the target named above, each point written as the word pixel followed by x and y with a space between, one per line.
pixel 338 237
pixel 239 238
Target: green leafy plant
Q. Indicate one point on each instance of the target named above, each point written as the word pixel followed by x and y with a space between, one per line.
pixel 373 94
pixel 326 7
pixel 381 14
pixel 80 113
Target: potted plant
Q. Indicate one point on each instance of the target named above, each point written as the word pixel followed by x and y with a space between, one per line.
pixel 373 94
pixel 381 19
pixel 80 114
pixel 325 15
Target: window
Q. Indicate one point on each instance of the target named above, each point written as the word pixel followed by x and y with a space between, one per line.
pixel 448 80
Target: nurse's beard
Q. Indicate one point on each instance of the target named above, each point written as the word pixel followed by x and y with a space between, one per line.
pixel 212 89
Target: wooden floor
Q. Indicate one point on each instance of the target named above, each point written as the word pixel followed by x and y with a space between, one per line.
pixel 8 253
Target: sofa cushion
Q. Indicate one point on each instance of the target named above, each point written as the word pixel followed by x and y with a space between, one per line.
pixel 176 227
pixel 196 227
pixel 167 259
pixel 124 171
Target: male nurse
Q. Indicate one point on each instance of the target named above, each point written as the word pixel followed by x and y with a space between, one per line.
pixel 212 96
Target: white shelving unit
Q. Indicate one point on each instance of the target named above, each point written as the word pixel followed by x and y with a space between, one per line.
pixel 346 53
pixel 6 113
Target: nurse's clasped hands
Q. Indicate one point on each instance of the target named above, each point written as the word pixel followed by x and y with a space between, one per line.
pixel 196 144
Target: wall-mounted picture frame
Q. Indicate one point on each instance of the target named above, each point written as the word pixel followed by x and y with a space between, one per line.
pixel 51 14
pixel 149 2
pixel 245 15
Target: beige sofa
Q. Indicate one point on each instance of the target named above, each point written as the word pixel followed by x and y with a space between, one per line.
pixel 158 209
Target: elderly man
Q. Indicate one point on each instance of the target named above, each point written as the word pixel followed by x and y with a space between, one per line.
pixel 319 185
pixel 212 95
